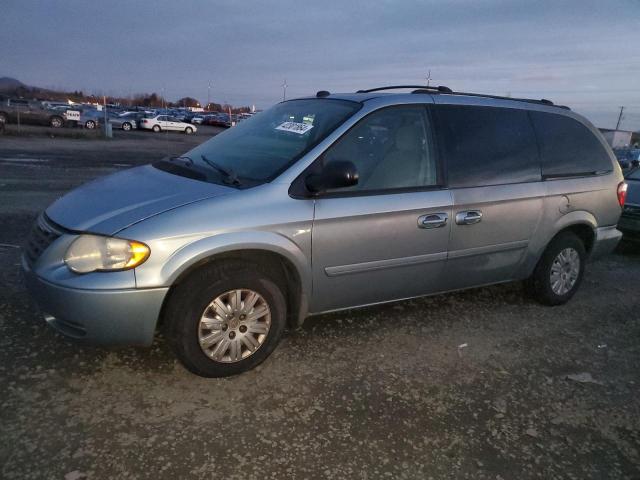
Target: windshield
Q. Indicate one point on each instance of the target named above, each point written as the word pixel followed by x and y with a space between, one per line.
pixel 261 147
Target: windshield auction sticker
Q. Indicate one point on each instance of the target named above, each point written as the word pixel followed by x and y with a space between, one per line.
pixel 299 128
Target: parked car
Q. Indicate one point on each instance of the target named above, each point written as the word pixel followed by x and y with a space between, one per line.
pixel 629 222
pixel 196 120
pixel 219 120
pixel 627 157
pixel 29 113
pixel 126 121
pixel 90 118
pixel 165 122
pixel 217 243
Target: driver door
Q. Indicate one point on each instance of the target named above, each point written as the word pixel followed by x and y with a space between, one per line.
pixel 385 238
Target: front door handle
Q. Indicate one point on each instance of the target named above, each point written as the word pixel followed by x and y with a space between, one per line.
pixel 433 220
pixel 468 217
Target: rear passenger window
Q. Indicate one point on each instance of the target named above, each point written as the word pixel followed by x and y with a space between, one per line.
pixel 567 147
pixel 487 145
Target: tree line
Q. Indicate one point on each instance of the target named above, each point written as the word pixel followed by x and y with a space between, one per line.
pixel 152 100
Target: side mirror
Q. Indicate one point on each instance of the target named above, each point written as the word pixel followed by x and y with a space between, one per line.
pixel 338 174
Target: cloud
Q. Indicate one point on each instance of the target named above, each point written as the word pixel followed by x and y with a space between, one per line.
pixel 570 51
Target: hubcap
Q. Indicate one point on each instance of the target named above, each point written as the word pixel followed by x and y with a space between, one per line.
pixel 234 325
pixel 564 271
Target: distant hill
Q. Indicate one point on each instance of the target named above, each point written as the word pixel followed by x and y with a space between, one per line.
pixel 8 83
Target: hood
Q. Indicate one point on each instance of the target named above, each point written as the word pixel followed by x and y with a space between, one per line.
pixel 109 204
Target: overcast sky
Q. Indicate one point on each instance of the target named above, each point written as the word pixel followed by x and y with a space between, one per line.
pixel 581 53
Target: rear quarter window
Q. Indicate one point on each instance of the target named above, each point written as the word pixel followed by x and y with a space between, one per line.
pixel 486 145
pixel 567 147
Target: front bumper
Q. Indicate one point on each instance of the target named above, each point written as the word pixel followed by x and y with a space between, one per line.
pixel 105 317
pixel 607 239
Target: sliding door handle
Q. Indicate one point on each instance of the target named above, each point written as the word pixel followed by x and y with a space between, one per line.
pixel 468 217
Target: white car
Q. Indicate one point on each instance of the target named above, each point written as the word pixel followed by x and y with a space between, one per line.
pixel 166 122
pixel 197 120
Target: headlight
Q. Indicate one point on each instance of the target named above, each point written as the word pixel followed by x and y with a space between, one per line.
pixel 90 253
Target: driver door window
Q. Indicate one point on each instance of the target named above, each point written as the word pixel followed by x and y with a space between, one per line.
pixel 391 149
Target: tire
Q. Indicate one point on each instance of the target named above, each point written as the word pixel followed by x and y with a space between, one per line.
pixel 56 122
pixel 192 299
pixel 4 118
pixel 564 246
pixel 156 128
pixel 90 125
pixel 188 130
pixel 126 126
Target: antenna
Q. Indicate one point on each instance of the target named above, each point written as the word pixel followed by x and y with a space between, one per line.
pixel 428 77
pixel 284 90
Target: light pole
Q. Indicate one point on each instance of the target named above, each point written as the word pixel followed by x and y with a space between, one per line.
pixel 284 90
pixel 209 95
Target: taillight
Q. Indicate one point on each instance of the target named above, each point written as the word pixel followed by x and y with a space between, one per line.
pixel 622 193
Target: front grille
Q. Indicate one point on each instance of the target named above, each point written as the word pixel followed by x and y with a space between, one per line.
pixel 43 233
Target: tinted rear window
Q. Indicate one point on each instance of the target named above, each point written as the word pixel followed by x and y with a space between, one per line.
pixel 567 147
pixel 487 145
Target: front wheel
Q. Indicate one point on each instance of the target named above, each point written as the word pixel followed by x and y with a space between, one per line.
pixel 90 124
pixel 226 319
pixel 56 122
pixel 126 126
pixel 188 130
pixel 559 272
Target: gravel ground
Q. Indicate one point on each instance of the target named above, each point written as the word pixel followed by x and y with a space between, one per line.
pixel 477 384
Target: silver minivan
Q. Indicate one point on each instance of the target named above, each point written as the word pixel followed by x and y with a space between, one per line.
pixel 321 204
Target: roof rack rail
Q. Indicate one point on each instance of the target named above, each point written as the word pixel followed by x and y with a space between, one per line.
pixel 542 101
pixel 440 88
pixel 447 90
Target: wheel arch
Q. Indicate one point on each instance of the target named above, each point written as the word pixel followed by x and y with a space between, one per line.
pixel 280 254
pixel 580 222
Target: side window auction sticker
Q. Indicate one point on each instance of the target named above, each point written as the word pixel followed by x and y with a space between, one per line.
pixel 295 127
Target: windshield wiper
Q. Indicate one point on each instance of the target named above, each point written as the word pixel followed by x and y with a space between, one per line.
pixel 229 175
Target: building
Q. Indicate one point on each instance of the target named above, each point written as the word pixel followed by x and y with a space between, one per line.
pixel 617 138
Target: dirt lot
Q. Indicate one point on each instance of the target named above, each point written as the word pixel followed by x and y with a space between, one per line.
pixel 385 392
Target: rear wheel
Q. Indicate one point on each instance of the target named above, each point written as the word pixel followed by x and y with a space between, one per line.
pixel 3 118
pixel 56 122
pixel 560 270
pixel 156 128
pixel 90 124
pixel 126 126
pixel 226 319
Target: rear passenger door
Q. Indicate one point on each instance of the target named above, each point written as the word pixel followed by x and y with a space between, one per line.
pixel 493 170
pixel 385 238
pixel 174 123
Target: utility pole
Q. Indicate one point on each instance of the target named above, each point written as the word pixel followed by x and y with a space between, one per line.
pixel 209 95
pixel 284 90
pixel 619 118
pixel 428 77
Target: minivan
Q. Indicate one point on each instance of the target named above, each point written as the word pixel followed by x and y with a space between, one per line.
pixel 321 204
